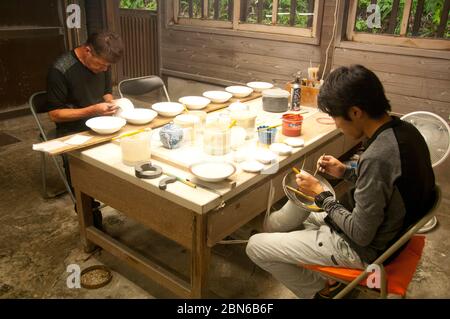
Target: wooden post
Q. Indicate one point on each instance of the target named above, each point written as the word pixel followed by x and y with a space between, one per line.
pixel 216 9
pixel 293 13
pixel 113 24
pixel 274 12
pixel 85 218
pixel 444 19
pixel 200 257
pixel 418 17
pixel 405 18
pixel 393 17
pixel 260 11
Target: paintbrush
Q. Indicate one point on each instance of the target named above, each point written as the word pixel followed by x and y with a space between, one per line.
pixel 317 168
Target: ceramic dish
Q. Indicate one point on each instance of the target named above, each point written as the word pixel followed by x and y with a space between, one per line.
pixel 123 105
pixel 194 102
pixel 218 96
pixel 239 91
pixel 281 149
pixel 139 116
pixel 306 202
pixel 212 171
pixel 252 166
pixel 259 86
pixel 106 124
pixel 265 156
pixel 168 109
pixel 295 141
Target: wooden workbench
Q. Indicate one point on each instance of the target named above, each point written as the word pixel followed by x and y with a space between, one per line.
pixel 191 217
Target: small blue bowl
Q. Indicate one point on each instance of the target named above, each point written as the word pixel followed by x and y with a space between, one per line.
pixel 267 135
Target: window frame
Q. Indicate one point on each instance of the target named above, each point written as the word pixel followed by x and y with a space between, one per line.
pixel 401 40
pixel 236 27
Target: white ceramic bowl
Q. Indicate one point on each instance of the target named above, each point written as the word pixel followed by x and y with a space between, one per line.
pixel 212 171
pixel 168 109
pixel 123 105
pixel 260 86
pixel 194 102
pixel 106 124
pixel 218 96
pixel 139 116
pixel 239 91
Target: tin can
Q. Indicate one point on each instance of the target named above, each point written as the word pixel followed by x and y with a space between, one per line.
pixel 292 125
pixel 295 96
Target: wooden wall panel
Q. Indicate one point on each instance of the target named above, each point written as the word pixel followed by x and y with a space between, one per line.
pixel 412 83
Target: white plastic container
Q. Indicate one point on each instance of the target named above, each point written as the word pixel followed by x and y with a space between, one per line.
pixel 136 148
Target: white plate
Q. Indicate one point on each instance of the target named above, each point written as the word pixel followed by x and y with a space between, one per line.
pixel 194 102
pixel 139 116
pixel 168 109
pixel 252 166
pixel 281 149
pixel 212 171
pixel 239 91
pixel 106 124
pixel 265 156
pixel 260 86
pixel 295 142
pixel 218 96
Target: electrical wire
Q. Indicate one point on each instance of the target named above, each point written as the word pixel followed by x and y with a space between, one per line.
pixel 332 37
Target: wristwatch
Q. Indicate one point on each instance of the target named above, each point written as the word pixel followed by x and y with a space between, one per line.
pixel 320 198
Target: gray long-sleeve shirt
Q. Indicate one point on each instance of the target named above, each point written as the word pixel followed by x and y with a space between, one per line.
pixel 393 186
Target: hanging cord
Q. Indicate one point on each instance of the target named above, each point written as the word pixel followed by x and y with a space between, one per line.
pixel 332 38
pixel 269 207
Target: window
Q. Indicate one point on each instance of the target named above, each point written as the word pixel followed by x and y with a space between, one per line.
pixel 414 23
pixel 288 17
pixel 139 4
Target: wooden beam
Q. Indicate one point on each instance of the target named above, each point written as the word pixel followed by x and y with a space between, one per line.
pixel 244 10
pixel 293 13
pixel 405 18
pixel 444 18
pixel 237 6
pixel 260 11
pixel 216 9
pixel 205 9
pixel 176 10
pixel 393 17
pixel 311 8
pixel 230 10
pixel 352 18
pixel 274 12
pixel 418 17
pixel 191 8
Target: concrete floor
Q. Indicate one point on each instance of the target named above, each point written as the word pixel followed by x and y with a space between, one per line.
pixel 39 239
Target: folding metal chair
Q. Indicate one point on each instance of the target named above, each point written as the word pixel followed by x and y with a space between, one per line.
pixel 395 275
pixel 142 85
pixel 38 104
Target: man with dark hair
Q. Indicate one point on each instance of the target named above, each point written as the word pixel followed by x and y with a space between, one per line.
pixel 393 188
pixel 79 83
pixel 79 87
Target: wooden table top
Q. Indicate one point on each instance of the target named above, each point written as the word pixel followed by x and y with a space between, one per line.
pixel 201 200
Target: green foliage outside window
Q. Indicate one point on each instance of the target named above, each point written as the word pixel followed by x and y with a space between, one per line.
pixel 139 4
pixel 429 23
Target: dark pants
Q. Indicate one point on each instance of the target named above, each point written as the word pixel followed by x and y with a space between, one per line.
pixel 94 204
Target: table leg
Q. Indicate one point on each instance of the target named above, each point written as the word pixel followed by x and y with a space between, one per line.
pixel 199 258
pixel 85 218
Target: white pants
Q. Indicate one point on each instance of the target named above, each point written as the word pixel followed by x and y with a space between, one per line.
pixel 298 237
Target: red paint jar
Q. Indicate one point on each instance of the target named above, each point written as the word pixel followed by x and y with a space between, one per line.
pixel 292 124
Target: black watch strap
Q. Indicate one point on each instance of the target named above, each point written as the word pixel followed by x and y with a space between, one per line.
pixel 320 198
